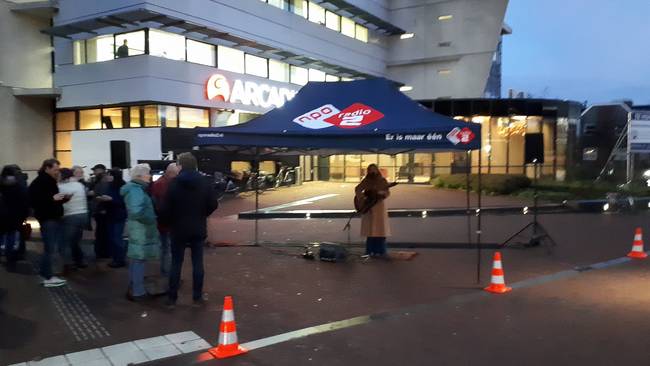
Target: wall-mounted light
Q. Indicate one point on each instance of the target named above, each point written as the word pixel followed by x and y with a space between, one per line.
pixel 446 17
pixel 405 88
pixel 406 35
pixel 444 71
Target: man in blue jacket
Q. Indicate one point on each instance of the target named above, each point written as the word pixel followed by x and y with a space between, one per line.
pixel 188 203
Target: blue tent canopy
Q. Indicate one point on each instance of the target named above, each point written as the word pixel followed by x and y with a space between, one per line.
pixel 369 115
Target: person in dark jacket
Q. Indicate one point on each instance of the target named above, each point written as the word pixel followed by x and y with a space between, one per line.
pixel 14 211
pixel 158 193
pixel 47 203
pixel 188 203
pixel 99 191
pixel 116 218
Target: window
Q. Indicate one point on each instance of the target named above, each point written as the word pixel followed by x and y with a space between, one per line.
pixel 134 42
pixel 201 53
pixel 135 117
pixel 329 77
pixel 316 75
pixel 446 17
pixel 65 121
pixel 64 140
pixel 282 4
pixel 278 71
pixel 361 33
pixel 316 13
pixel 168 115
pixel 347 27
pixel 230 59
pixel 192 117
pixel 167 45
pixel 332 21
pixel 444 71
pixel 114 115
pixel 299 7
pixel 65 158
pixel 299 75
pixel 151 116
pixel 79 52
pixel 257 66
pixel 99 49
pixel 90 119
pixel 347 79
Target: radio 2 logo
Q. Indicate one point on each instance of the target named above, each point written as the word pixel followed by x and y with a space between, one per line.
pixel 328 115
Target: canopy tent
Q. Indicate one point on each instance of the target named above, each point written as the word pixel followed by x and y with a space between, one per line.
pixel 324 118
pixel 362 116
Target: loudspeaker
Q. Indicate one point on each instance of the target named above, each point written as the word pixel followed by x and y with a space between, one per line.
pixel 534 148
pixel 120 154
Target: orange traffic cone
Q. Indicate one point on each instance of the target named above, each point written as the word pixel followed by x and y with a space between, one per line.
pixel 637 246
pixel 228 343
pixel 498 283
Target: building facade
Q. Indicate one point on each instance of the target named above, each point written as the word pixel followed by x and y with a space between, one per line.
pixel 164 64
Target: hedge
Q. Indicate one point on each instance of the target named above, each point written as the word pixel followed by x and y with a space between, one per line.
pixel 490 183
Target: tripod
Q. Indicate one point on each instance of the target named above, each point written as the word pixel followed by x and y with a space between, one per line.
pixel 538 234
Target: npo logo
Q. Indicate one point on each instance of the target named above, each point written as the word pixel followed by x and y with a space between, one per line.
pixel 315 119
pixel 328 115
pixel 458 135
pixel 247 92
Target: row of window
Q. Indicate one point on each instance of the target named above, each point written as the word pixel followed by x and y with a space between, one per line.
pixel 177 47
pixel 317 14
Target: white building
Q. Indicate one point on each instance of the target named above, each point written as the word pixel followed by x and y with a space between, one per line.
pixel 176 52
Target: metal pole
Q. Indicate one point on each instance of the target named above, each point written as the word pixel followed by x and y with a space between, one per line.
pixel 478 219
pixel 535 165
pixel 256 167
pixel 467 194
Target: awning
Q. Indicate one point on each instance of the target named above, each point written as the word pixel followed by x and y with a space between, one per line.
pixel 362 116
pixel 49 93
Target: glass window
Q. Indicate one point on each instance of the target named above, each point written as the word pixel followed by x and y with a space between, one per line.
pixel 64 140
pixel 347 27
pixel 257 66
pixel 316 75
pixel 65 121
pixel 65 158
pixel 299 75
pixel 135 117
pixel 193 117
pixel 332 78
pixel 151 116
pixel 316 13
pixel 299 7
pixel 167 45
pixel 115 116
pixel 168 115
pixel 100 49
pixel 278 71
pixel 129 44
pixel 230 59
pixel 361 33
pixel 90 119
pixel 79 52
pixel 282 4
pixel 332 21
pixel 201 53
pixel 346 79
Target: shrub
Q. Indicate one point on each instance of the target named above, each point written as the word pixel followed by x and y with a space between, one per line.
pixel 490 183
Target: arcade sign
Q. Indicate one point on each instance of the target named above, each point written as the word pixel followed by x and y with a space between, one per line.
pixel 247 92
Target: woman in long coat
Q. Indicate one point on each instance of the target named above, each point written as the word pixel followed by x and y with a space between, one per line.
pixel 142 229
pixel 374 222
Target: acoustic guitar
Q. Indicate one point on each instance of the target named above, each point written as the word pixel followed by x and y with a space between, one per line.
pixel 369 199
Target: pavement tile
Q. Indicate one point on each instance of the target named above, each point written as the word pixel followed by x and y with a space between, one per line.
pixel 19 364
pixel 155 353
pixel 51 361
pixel 85 356
pixel 123 359
pixel 147 343
pixel 121 348
pixel 182 337
pixel 100 362
pixel 193 346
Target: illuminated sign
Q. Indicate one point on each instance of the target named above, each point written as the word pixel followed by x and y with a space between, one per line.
pixel 247 92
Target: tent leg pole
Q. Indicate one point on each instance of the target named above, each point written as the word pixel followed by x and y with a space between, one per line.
pixel 478 219
pixel 256 165
pixel 467 196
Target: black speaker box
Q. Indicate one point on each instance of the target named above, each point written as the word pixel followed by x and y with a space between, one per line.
pixel 534 148
pixel 120 154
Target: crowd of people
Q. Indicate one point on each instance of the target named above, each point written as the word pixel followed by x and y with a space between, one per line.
pixel 160 219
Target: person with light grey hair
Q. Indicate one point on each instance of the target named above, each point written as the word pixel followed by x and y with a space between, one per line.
pixel 141 229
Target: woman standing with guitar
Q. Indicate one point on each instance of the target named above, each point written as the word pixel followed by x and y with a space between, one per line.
pixel 369 201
